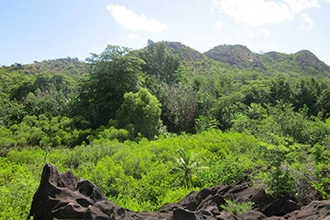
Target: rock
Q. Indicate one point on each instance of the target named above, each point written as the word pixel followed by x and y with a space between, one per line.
pixel 62 196
pixel 252 215
pixel 315 210
pixel 179 214
pixel 281 206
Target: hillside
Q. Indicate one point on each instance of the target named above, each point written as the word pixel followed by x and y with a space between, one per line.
pixel 235 55
pixel 149 126
pixel 303 62
pixel 68 66
pixel 184 52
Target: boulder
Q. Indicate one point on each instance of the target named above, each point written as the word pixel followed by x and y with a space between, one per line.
pixel 62 196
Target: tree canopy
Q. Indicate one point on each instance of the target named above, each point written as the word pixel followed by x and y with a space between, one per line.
pixel 140 114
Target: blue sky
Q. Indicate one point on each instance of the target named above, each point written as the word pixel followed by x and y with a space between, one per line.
pixel 36 30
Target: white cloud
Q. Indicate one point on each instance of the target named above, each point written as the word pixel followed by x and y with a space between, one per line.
pixel 257 33
pixel 307 24
pixel 255 12
pixel 260 12
pixel 132 21
pixel 133 36
pixel 218 25
pixel 297 6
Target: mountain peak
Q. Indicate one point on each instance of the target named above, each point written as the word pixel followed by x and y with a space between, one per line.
pixel 184 52
pixel 235 55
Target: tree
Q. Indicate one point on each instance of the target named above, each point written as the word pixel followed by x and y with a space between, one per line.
pixel 11 111
pixel 180 108
pixel 140 113
pixel 115 72
pixel 45 94
pixel 159 63
pixel 280 90
pixel 255 92
pixel 307 94
pixel 323 102
pixel 185 168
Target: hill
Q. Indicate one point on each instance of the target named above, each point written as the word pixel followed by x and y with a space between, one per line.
pixel 235 55
pixel 222 57
pixel 184 52
pixel 302 62
pixel 149 126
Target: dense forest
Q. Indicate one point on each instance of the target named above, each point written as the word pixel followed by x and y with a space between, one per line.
pixel 149 126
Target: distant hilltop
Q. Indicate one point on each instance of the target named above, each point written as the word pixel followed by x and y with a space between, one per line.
pixel 242 57
pixel 238 56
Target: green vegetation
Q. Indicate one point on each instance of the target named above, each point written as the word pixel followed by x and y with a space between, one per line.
pixel 149 126
pixel 237 208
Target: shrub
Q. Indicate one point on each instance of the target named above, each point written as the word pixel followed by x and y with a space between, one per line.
pixel 236 208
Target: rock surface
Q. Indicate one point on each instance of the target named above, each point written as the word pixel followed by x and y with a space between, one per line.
pixel 62 196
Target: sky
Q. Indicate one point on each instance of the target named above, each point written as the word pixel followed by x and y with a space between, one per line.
pixel 37 30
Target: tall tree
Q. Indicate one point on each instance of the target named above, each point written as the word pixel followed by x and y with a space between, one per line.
pixel 140 113
pixel 115 72
pixel 308 91
pixel 45 94
pixel 180 109
pixel 159 63
pixel 280 90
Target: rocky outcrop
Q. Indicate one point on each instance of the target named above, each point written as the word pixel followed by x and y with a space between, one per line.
pixel 62 196
pixel 235 55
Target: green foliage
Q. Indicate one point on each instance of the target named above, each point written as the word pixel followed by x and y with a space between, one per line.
pixel 322 181
pixel 159 63
pixel 145 175
pixel 204 123
pixel 110 177
pixel 111 134
pixel 46 94
pixel 115 72
pixel 140 114
pixel 179 109
pixel 7 140
pixel 17 185
pixel 320 173
pixel 282 121
pixel 227 170
pixel 10 110
pixel 237 208
pixel 265 120
pixel 154 185
pixel 278 176
pixel 42 131
pixel 280 90
pixel 25 156
pixel 185 169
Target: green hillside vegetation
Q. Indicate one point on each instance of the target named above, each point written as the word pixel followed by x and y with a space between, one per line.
pixel 149 126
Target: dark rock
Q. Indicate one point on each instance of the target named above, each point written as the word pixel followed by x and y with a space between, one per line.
pixel 179 214
pixel 61 196
pixel 315 210
pixel 252 215
pixel 281 206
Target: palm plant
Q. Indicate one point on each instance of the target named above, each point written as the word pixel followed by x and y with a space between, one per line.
pixel 185 168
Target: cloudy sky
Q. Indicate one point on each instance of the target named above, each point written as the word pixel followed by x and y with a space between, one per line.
pixel 35 30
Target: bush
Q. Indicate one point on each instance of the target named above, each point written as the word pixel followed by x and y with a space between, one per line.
pixel 17 186
pixel 236 208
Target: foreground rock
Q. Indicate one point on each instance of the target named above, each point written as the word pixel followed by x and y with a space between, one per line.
pixel 62 196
